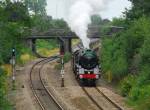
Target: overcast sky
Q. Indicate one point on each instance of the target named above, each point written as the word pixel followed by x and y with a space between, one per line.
pixel 60 8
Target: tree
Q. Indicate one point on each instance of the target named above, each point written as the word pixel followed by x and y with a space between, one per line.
pixel 36 6
pixel 139 8
pixel 119 22
pixel 59 23
pixel 14 17
pixel 17 12
pixel 96 20
pixel 114 56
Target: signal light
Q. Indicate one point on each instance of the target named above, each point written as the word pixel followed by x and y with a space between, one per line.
pixel 62 50
pixel 13 52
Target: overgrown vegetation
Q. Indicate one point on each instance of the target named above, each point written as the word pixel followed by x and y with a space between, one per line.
pixel 45 47
pixel 4 104
pixel 19 19
pixel 17 22
pixel 66 58
pixel 126 55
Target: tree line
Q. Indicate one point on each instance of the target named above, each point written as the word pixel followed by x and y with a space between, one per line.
pixel 126 56
pixel 18 19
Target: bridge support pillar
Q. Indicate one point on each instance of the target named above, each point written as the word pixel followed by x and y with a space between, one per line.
pixel 65 45
pixel 34 45
pixel 28 43
pixel 68 45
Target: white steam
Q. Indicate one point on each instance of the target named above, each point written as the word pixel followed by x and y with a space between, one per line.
pixel 80 16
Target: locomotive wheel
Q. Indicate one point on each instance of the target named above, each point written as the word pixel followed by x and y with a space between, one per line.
pixel 91 83
pixel 81 82
pixel 85 82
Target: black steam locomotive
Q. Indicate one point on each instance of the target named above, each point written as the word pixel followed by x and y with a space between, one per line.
pixel 86 66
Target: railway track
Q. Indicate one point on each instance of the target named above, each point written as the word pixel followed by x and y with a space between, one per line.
pixel 96 102
pixel 91 98
pixel 106 97
pixel 94 44
pixel 44 98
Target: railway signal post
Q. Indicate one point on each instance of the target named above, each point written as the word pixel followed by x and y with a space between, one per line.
pixel 13 62
pixel 62 51
pixel 62 71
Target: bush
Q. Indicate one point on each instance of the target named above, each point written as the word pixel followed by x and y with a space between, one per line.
pixel 145 50
pixel 144 76
pixel 136 34
pixel 48 44
pixel 4 104
pixel 24 55
pixel 126 85
pixel 134 93
pixel 1 61
pixel 138 94
pixel 114 57
pixel 67 57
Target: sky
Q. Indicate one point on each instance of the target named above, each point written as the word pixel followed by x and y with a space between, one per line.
pixel 60 8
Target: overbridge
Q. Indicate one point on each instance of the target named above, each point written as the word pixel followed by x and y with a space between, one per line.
pixel 65 36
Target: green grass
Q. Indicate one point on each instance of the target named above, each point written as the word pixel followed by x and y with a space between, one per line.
pixel 48 44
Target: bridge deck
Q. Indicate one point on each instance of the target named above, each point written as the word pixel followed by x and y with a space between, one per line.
pixel 52 37
pixel 93 32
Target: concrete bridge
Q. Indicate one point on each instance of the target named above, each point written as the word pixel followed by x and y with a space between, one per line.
pixel 65 37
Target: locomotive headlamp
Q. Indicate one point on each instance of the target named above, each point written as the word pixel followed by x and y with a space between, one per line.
pixel 81 71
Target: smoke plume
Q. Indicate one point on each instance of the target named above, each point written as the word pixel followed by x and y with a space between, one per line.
pixel 80 16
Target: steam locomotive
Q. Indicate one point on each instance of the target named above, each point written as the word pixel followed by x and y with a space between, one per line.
pixel 86 66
